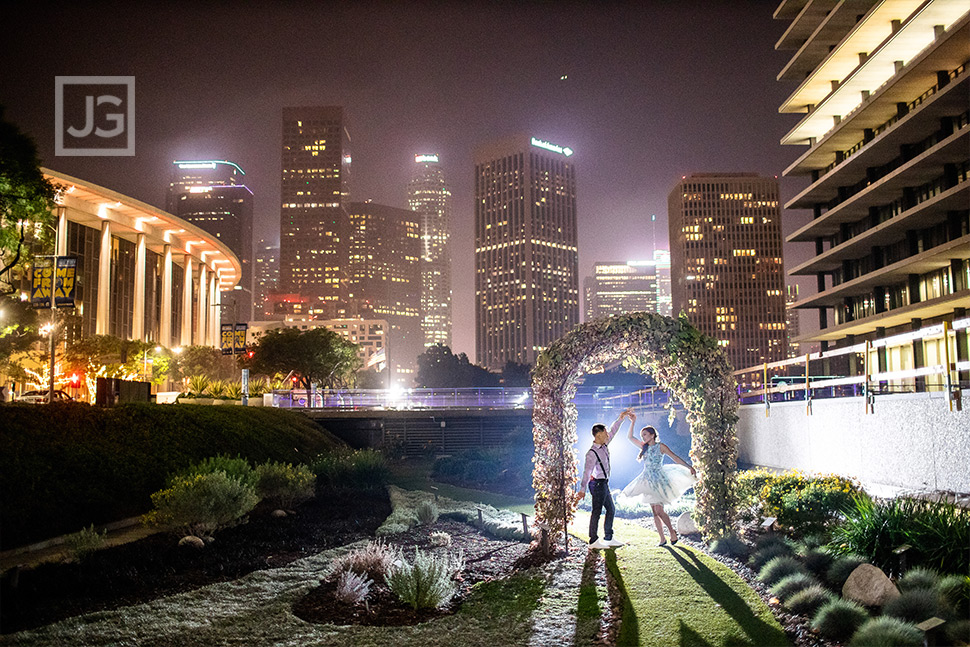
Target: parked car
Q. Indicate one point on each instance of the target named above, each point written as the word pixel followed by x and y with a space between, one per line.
pixel 39 397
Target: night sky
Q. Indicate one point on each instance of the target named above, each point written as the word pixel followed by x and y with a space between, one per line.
pixel 652 91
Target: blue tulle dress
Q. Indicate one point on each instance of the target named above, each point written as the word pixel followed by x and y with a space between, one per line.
pixel 658 483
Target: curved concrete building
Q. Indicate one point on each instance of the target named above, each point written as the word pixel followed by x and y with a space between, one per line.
pixel 142 273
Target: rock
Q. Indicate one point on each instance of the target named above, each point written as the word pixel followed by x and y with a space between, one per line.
pixel 279 514
pixel 869 586
pixel 686 525
pixel 192 541
pixel 208 539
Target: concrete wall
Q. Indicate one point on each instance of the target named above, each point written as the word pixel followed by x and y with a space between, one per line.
pixel 910 441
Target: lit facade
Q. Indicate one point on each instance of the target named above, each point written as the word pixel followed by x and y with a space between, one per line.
pixel 384 279
pixel 430 198
pixel 883 98
pixel 661 260
pixel 266 278
pixel 315 168
pixel 619 288
pixel 792 324
pixel 369 334
pixel 212 195
pixel 142 273
pixel 526 255
pixel 726 265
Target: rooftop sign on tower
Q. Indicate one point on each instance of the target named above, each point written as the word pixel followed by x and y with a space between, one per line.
pixel 552 147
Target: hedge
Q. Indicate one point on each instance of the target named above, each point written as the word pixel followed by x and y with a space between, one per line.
pixel 68 465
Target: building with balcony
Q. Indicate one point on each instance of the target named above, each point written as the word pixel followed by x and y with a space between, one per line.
pixel 883 103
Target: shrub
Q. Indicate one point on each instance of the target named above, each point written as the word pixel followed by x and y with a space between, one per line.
pixel 778 568
pixel 198 384
pixel 423 583
pixel 730 546
pixel 750 484
pixel 234 390
pixel 765 555
pixel 237 468
pixel 791 584
pixel 427 512
pixel 918 578
pixel 838 619
pixel 938 532
pixel 217 388
pixel 954 591
pixel 283 483
pixel 958 632
pixel 439 538
pixel 202 504
pixel 841 568
pixel 914 605
pixel 771 540
pixel 85 541
pixel 817 560
pixel 363 469
pixel 807 601
pixel 374 560
pixel 257 387
pixel 352 588
pixel 886 632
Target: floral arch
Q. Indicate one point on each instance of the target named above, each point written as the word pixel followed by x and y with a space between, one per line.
pixel 682 360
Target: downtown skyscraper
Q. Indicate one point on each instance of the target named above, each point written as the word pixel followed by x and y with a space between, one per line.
pixel 430 198
pixel 617 288
pixel 212 194
pixel 315 168
pixel 526 255
pixel 726 267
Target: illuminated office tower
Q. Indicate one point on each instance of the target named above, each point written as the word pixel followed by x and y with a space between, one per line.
pixel 384 279
pixel 618 288
pixel 315 166
pixel 792 326
pixel 430 198
pixel 526 258
pixel 726 265
pixel 661 259
pixel 212 194
pixel 266 278
pixel 882 94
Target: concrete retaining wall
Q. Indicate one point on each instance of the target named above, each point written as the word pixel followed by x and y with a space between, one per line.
pixel 911 441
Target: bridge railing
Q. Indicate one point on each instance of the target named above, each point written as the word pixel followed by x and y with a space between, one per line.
pixel 861 370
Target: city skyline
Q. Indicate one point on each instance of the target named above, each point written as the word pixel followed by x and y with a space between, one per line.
pixel 629 89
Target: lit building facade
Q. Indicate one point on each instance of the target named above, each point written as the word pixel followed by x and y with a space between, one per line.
pixel 661 260
pixel 212 195
pixel 266 278
pixel 726 266
pixel 315 168
pixel 142 273
pixel 384 279
pixel 526 255
pixel 618 288
pixel 883 96
pixel 430 198
pixel 792 324
pixel 369 334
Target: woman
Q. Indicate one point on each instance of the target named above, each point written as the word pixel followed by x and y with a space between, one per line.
pixel 658 484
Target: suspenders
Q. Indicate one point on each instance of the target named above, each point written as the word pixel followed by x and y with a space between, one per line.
pixel 606 474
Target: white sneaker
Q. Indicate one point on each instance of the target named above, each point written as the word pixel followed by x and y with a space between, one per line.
pixel 600 544
pixel 613 543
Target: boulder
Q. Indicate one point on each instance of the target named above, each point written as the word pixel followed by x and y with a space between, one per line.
pixel 869 586
pixel 192 542
pixel 279 514
pixel 686 525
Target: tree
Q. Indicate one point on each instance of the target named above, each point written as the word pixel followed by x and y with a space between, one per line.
pixel 438 367
pixel 315 357
pixel 515 374
pixel 18 327
pixel 26 201
pixel 205 360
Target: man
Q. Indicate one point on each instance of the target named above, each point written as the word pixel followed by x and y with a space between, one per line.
pixel 597 474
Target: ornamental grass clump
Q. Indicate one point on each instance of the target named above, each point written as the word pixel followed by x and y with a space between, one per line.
pixel 792 584
pixel 918 578
pixel 886 632
pixel 352 588
pixel 201 504
pixel 730 546
pixel 817 560
pixel 957 632
pixel 235 468
pixel 284 484
pixel 362 469
pixel 424 583
pixel 838 619
pixel 954 592
pixel 914 605
pixel 778 568
pixel 427 512
pixel 773 539
pixel 85 541
pixel 765 555
pixel 373 560
pixel 807 601
pixel 841 569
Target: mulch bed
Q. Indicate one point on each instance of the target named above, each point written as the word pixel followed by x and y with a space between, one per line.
pixel 156 566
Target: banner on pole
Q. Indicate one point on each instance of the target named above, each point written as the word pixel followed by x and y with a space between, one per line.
pixel 239 344
pixel 42 282
pixel 65 281
pixel 226 339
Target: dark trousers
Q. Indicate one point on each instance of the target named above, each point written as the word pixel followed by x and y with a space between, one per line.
pixel 599 489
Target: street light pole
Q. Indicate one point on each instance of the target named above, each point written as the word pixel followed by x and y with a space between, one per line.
pixel 50 390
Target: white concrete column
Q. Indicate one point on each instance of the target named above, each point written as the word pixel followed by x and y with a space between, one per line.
pixel 102 322
pixel 186 337
pixel 203 305
pixel 165 316
pixel 61 231
pixel 138 296
pixel 215 311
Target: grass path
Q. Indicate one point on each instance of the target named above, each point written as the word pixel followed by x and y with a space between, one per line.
pixel 414 474
pixel 676 595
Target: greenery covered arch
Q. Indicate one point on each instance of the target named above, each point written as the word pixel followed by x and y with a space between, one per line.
pixel 681 359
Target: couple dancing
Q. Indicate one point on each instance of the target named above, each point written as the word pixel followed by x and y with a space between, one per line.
pixel 657 484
